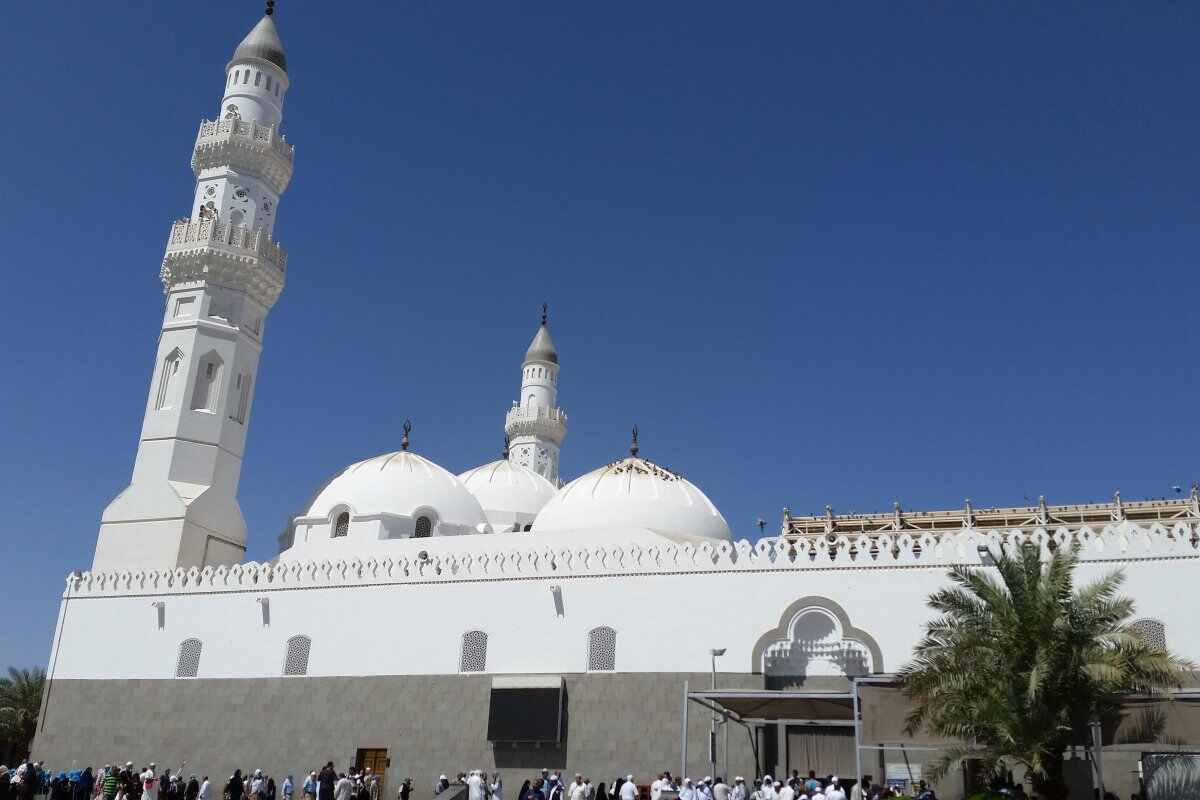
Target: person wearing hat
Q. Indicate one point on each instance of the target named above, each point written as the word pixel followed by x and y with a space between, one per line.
pixel 835 790
pixel 738 792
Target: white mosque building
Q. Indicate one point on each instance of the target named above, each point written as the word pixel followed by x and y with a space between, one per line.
pixel 421 621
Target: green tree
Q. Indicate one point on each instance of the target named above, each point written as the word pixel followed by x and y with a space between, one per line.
pixel 20 703
pixel 1019 661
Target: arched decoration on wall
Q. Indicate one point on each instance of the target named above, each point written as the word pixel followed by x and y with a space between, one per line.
pixel 473 657
pixel 208 383
pixel 1152 632
pixel 341 525
pixel 295 661
pixel 187 664
pixel 167 379
pixel 815 637
pixel 602 649
pixel 423 528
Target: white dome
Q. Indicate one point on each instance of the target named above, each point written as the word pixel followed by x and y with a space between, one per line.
pixel 504 488
pixel 401 483
pixel 633 493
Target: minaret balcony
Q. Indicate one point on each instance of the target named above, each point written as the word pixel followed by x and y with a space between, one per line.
pixel 543 423
pixel 244 147
pixel 235 256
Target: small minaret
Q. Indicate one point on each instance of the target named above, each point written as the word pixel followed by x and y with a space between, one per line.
pixel 221 274
pixel 535 426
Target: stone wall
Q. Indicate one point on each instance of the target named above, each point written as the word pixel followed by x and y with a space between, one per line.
pixel 615 724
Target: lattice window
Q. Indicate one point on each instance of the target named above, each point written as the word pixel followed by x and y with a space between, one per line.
pixel 424 528
pixel 1150 631
pixel 296 660
pixel 187 665
pixel 342 526
pixel 474 652
pixel 602 650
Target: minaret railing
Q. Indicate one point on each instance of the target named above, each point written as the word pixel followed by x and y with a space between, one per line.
pixel 248 240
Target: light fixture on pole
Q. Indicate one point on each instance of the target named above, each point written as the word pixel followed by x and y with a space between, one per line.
pixel 712 729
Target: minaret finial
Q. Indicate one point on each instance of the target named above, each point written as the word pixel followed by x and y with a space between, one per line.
pixel 404 438
pixel 545 313
pixel 270 8
pixel 504 452
pixel 633 447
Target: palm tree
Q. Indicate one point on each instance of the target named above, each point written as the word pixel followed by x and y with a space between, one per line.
pixel 1015 668
pixel 20 703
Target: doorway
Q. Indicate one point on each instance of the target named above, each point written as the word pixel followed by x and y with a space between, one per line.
pixel 375 758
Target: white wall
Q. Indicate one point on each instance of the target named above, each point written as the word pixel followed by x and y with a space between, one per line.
pixel 385 617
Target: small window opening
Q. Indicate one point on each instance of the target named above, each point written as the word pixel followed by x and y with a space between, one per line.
pixel 424 528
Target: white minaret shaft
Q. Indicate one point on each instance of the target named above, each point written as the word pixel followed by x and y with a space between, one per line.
pixel 221 274
pixel 535 426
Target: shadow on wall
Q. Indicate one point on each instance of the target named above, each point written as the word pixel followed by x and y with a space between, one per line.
pixel 536 756
pixel 816 647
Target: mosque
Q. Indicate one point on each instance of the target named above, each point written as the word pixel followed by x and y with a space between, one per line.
pixel 421 621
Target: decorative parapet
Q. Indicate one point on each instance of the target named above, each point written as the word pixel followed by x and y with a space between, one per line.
pixel 1116 542
pixel 228 255
pixel 244 147
pixel 546 424
pixel 968 517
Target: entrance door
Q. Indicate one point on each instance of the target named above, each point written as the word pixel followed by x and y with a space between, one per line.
pixel 375 758
pixel 825 749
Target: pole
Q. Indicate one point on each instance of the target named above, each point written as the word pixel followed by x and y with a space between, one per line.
pixel 858 773
pixel 712 727
pixel 1098 755
pixel 683 738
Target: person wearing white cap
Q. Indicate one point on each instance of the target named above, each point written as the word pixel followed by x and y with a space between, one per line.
pixel 440 785
pixel 704 789
pixel 819 794
pixel 767 792
pixel 786 792
pixel 687 791
pixel 656 787
pixel 738 792
pixel 629 790
pixel 835 790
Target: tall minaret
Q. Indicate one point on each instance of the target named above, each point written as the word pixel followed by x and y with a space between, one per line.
pixel 221 274
pixel 535 426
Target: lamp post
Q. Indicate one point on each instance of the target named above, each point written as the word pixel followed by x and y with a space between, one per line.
pixel 712 729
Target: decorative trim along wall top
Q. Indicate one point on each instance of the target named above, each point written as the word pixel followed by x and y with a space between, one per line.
pixel 1124 541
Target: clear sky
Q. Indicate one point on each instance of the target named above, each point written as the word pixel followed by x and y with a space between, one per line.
pixel 820 253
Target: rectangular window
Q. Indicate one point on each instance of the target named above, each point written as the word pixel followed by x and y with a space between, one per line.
pixel 268 83
pixel 184 306
pixel 257 78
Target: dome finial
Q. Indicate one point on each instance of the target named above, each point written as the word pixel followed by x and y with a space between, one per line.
pixel 633 447
pixel 404 438
pixel 270 8
pixel 545 313
pixel 504 452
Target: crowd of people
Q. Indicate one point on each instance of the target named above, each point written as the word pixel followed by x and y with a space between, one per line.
pixel 127 783
pixel 551 785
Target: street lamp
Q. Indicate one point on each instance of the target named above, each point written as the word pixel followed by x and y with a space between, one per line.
pixel 712 729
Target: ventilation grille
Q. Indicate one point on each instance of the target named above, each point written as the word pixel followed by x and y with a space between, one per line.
pixel 602 650
pixel 474 652
pixel 296 661
pixel 1151 631
pixel 424 527
pixel 187 665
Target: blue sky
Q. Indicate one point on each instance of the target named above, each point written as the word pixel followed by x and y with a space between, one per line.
pixel 819 253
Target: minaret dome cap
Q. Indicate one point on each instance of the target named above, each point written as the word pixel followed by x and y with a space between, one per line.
pixel 262 43
pixel 542 347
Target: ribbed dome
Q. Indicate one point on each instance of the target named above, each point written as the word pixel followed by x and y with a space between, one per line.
pixel 262 42
pixel 542 347
pixel 400 483
pixel 633 493
pixel 507 487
